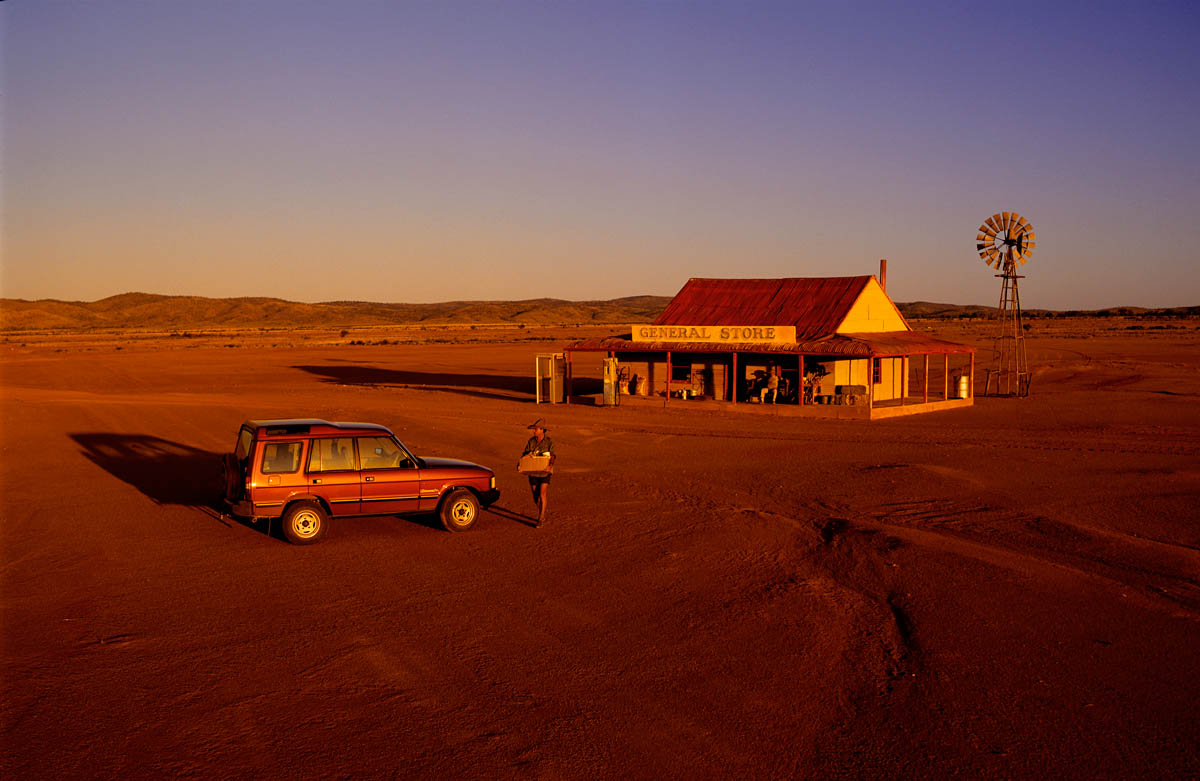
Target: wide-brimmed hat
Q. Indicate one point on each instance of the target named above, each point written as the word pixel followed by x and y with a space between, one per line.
pixel 539 423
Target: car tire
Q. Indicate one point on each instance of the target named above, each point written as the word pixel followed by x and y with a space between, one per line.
pixel 459 510
pixel 305 523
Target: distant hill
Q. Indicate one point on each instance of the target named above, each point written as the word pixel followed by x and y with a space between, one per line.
pixel 155 312
pixel 924 310
pixel 147 311
pixel 919 310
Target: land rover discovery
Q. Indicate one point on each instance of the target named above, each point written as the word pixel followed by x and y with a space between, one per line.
pixel 308 471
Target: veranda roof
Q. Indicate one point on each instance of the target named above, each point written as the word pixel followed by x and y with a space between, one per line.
pixel 874 345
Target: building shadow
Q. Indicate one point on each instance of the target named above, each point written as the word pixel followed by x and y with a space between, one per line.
pixel 587 386
pixel 483 385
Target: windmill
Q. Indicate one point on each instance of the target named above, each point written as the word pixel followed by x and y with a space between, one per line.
pixel 1006 240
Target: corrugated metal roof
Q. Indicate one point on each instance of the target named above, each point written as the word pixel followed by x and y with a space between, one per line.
pixel 815 305
pixel 856 345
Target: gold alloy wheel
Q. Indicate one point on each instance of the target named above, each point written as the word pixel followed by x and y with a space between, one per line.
pixel 459 510
pixel 306 523
pixel 462 512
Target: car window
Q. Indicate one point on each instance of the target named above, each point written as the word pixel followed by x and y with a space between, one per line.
pixel 280 457
pixel 382 453
pixel 331 455
pixel 242 451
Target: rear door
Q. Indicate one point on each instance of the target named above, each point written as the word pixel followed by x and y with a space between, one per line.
pixel 236 466
pixel 278 474
pixel 332 473
pixel 391 482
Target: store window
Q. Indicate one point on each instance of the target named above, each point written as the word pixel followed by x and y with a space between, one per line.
pixel 877 370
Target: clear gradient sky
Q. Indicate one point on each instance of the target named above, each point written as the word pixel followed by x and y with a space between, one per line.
pixel 434 151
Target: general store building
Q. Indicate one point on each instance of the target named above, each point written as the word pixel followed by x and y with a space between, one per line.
pixel 836 346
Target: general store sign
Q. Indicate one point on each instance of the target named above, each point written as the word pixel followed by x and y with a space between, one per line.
pixel 716 334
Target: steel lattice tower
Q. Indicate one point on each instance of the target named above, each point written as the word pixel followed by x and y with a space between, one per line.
pixel 1010 365
pixel 1007 239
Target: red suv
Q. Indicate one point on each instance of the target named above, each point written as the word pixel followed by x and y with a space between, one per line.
pixel 307 471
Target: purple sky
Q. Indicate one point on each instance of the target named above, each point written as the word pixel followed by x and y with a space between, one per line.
pixel 434 151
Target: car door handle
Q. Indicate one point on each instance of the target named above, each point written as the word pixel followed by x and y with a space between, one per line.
pixel 369 479
pixel 316 480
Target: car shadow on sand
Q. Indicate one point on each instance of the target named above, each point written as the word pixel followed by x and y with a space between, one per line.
pixel 169 473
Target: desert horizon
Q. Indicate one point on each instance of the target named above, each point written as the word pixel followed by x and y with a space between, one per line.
pixel 155 311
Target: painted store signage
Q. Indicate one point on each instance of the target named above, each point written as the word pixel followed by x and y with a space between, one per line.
pixel 716 334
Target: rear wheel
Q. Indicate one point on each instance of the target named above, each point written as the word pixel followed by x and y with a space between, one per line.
pixel 459 510
pixel 305 523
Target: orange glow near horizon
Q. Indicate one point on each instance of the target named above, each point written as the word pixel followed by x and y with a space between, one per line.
pixel 417 154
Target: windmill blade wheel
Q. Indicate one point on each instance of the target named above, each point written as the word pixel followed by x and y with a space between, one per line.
pixel 1015 235
pixel 985 241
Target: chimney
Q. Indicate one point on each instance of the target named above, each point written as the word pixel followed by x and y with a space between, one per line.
pixel 883 274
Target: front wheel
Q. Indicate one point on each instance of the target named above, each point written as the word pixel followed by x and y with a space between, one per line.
pixel 305 523
pixel 459 510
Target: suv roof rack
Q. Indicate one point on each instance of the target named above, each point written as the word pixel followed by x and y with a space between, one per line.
pixel 299 426
pixel 289 428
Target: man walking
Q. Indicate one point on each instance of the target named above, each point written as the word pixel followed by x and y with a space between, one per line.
pixel 540 445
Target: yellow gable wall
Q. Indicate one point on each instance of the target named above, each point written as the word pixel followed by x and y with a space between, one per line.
pixel 872 313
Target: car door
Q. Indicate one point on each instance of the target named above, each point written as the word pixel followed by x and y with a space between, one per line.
pixel 278 475
pixel 391 481
pixel 332 473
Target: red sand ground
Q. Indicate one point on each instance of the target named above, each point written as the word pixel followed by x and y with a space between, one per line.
pixel 1005 590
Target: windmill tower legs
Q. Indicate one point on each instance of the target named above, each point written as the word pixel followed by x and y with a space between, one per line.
pixel 1009 372
pixel 1006 239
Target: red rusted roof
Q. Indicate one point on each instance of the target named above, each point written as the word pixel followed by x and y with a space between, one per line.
pixel 887 343
pixel 815 305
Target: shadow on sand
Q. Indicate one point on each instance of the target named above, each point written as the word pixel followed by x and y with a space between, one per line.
pixel 513 388
pixel 488 386
pixel 167 472
pixel 511 515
